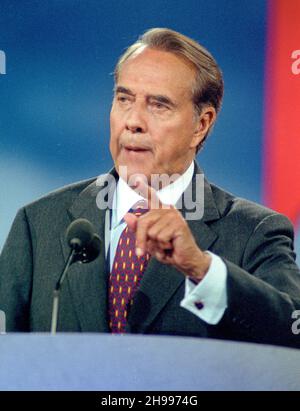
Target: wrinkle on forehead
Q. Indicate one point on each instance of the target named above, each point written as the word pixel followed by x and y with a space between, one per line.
pixel 163 71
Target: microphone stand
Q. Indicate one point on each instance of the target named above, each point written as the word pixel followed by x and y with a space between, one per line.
pixel 56 291
pixel 85 247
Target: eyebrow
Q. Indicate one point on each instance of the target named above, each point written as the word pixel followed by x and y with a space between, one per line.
pixel 124 90
pixel 162 99
pixel 157 97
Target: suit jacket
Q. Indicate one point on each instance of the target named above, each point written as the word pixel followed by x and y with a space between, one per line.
pixel 256 244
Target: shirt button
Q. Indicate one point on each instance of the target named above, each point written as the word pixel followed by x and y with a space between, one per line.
pixel 199 305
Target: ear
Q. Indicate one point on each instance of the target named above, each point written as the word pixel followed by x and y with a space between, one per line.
pixel 203 122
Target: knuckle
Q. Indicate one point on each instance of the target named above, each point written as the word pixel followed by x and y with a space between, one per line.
pixel 152 233
pixel 161 237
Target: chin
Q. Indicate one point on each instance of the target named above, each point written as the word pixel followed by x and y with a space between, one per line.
pixel 127 170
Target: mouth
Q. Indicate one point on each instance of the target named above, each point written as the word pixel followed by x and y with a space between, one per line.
pixel 135 149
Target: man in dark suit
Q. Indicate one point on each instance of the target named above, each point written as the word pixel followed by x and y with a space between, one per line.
pixel 223 268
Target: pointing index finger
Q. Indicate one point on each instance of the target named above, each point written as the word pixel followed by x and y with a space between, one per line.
pixel 148 192
pixel 141 186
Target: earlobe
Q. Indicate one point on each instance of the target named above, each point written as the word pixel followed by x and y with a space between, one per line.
pixel 197 139
pixel 198 136
pixel 204 123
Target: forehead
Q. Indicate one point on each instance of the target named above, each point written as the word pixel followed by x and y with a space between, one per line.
pixel 157 71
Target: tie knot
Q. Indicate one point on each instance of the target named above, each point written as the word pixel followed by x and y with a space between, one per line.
pixel 139 208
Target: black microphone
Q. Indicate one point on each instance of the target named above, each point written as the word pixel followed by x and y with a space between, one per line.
pixel 85 247
pixel 82 239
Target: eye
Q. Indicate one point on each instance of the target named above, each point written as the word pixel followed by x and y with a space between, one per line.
pixel 123 99
pixel 158 106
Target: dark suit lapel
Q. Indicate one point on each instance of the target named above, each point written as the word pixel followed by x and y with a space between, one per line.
pixel 201 230
pixel 88 282
pixel 160 282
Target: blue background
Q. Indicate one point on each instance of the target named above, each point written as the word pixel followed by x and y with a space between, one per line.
pixel 56 94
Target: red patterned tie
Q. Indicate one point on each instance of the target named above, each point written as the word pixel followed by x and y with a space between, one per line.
pixel 126 275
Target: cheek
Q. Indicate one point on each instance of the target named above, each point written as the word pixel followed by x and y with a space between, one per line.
pixel 116 118
pixel 114 134
pixel 116 122
pixel 173 144
pixel 169 137
pixel 113 122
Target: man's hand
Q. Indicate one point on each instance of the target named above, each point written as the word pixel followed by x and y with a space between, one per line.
pixel 165 234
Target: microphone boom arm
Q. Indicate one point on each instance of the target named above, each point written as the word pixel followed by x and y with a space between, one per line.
pixel 56 292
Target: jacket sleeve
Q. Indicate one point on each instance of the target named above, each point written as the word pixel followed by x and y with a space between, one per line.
pixel 16 266
pixel 265 291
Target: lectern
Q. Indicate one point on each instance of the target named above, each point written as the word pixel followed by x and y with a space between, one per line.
pixel 140 362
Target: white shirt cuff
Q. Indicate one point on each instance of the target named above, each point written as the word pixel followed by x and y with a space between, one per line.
pixel 208 299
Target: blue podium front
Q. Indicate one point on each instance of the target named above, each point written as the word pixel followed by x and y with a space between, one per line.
pixel 102 362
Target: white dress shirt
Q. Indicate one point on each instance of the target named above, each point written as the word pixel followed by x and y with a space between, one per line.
pixel 208 299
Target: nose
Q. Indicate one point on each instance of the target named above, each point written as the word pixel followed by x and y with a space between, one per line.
pixel 136 121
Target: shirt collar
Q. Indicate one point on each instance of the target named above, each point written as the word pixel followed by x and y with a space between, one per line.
pixel 125 197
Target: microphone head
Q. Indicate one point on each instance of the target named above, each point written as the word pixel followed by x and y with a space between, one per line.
pixel 91 251
pixel 82 238
pixel 79 234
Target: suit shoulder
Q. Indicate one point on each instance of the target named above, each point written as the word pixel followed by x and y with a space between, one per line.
pixel 61 197
pixel 244 211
